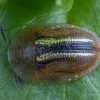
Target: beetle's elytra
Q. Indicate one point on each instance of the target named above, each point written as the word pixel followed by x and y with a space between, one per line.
pixel 53 52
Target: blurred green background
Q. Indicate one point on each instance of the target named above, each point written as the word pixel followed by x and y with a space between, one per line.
pixel 18 14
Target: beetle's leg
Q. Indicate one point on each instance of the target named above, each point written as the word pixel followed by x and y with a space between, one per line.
pixel 3 35
pixel 16 80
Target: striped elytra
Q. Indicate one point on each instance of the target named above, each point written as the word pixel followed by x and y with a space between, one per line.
pixel 53 53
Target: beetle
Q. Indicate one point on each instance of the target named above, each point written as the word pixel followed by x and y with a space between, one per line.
pixel 53 53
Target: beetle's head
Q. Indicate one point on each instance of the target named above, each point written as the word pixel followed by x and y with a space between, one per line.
pixel 22 55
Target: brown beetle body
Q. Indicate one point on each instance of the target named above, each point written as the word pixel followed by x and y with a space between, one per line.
pixel 55 52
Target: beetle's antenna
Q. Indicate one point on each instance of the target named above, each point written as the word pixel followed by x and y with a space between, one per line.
pixel 16 80
pixel 3 35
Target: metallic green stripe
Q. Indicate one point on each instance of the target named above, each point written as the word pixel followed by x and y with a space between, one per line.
pixel 52 40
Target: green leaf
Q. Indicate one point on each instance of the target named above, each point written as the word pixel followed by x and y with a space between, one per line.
pixel 18 14
pixel 65 4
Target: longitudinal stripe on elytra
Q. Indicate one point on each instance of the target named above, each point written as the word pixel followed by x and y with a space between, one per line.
pixel 64 47
pixel 52 40
pixel 50 56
